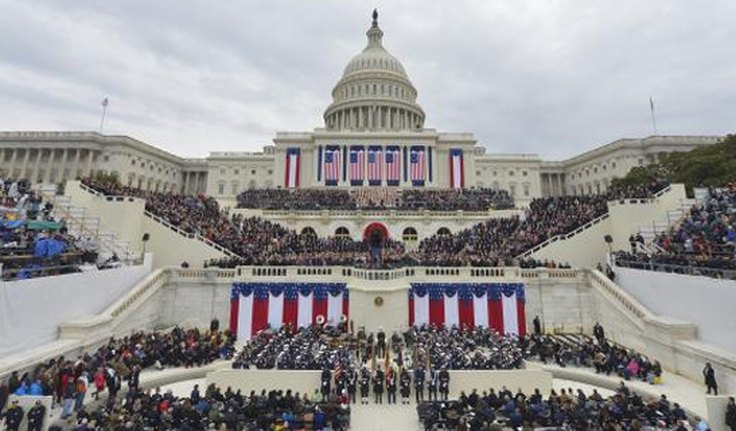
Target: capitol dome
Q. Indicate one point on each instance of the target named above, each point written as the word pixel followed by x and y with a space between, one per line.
pixel 375 92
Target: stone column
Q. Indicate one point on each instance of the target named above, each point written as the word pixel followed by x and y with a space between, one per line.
pixel 36 165
pixel 76 163
pixel 62 168
pixel 88 168
pixel 13 157
pixel 26 159
pixel 49 165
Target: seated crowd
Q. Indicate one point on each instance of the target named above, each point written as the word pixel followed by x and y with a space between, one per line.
pixel 214 409
pixel 480 199
pixel 34 244
pixel 319 347
pixel 703 243
pixel 496 410
pixel 69 380
pixel 256 241
pixel 496 242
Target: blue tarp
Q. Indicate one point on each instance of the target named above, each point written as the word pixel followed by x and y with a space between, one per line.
pixel 48 247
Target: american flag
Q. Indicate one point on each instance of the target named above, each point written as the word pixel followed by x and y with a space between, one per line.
pixel 332 165
pixel 357 163
pixel 393 166
pixel 417 161
pixel 375 164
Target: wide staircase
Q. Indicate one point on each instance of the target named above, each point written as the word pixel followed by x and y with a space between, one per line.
pixel 83 225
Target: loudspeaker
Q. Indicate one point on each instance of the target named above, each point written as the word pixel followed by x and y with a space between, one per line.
pixel 146 237
pixel 608 239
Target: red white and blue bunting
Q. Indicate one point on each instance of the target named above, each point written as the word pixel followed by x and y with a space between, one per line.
pixel 256 306
pixel 499 306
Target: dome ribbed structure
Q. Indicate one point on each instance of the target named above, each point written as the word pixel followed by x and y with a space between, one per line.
pixel 375 92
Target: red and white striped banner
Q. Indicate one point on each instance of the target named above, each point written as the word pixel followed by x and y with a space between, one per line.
pixel 499 306
pixel 457 170
pixel 357 165
pixel 292 168
pixel 332 165
pixel 375 164
pixel 257 306
pixel 417 165
pixel 393 165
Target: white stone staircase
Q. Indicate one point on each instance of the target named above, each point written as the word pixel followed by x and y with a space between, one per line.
pixel 83 225
pixel 650 231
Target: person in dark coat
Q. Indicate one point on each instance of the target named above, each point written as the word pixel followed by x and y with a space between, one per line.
pixel 14 416
pixel 405 387
pixel 710 378
pixel 444 379
pixel 378 380
pixel 35 417
pixel 419 384
pixel 432 385
pixel 599 333
pixel 365 381
pixel 731 414
pixel 537 326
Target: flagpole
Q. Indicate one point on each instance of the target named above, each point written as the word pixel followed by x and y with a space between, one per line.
pixel 654 118
pixel 104 110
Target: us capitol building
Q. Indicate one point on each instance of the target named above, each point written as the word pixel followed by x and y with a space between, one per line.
pixel 373 136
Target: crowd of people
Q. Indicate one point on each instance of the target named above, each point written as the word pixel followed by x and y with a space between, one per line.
pixel 476 199
pixel 256 241
pixel 496 242
pixel 215 409
pixel 70 380
pixel 703 243
pixel 500 409
pixel 32 242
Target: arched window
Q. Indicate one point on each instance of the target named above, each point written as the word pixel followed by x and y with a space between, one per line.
pixel 409 234
pixel 342 232
pixel 443 231
pixel 308 231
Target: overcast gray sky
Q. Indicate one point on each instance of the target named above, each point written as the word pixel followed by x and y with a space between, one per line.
pixel 548 77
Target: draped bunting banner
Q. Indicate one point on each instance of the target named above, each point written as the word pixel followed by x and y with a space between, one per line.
pixel 393 165
pixel 292 168
pixel 256 306
pixel 375 164
pixel 332 165
pixel 457 170
pixel 357 165
pixel 418 163
pixel 496 305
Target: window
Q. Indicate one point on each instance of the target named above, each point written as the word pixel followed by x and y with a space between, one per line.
pixel 511 173
pixel 409 234
pixel 221 189
pixel 524 173
pixel 106 158
pixel 308 231
pixel 222 171
pixel 477 173
pixel 613 164
pixel 443 231
pixel 495 173
pixel 236 171
pixel 270 172
pixel 595 170
pixel 132 162
pixel 342 232
pixel 512 190
pixel 252 171
pixel 526 190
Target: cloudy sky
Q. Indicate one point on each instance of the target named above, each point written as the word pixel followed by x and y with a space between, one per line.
pixel 544 76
